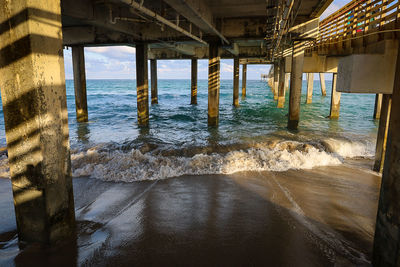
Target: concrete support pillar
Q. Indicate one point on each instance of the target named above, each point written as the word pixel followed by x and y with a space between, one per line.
pixel 154 88
pixel 296 81
pixel 281 85
pixel 142 85
pixel 78 62
pixel 310 87
pixel 236 81
pixel 382 133
pixel 193 90
pixel 335 99
pixel 378 106
pixel 287 75
pixel 386 251
pixel 244 80
pixel 322 81
pixel 276 80
pixel 36 120
pixel 213 84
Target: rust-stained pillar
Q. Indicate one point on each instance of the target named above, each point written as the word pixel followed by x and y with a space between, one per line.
pixel 193 89
pixel 296 81
pixel 335 99
pixel 382 133
pixel 244 80
pixel 36 120
pixel 78 62
pixel 236 81
pixel 281 85
pixel 213 84
pixel 276 80
pixel 378 106
pixel 310 87
pixel 154 88
pixel 142 85
pixel 386 251
pixel 322 81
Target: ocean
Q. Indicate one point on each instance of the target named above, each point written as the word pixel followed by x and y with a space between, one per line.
pixel 253 137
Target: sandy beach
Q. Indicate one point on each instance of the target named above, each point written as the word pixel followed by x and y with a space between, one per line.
pixel 319 217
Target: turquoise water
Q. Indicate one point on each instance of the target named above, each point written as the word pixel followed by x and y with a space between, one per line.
pixel 112 114
pixel 112 147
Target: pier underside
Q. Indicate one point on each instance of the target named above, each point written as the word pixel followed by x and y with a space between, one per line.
pixel 317 217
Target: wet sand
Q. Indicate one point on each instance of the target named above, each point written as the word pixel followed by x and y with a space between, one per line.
pixel 319 217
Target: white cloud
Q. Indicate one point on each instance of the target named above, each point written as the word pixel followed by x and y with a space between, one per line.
pixel 118 62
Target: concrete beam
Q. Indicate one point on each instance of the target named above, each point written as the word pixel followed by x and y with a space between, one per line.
pixel 99 17
pixel 199 13
pixel 316 64
pixel 253 61
pixel 233 49
pixel 36 120
pixel 359 73
pixel 248 54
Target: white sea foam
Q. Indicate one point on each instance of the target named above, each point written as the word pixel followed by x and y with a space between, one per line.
pixel 350 149
pixel 133 165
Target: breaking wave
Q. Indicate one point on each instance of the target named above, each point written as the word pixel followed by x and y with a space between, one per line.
pixel 108 163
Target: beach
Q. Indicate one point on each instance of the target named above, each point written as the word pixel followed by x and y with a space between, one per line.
pixel 324 216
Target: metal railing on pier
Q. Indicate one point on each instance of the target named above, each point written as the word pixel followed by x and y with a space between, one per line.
pixel 357 19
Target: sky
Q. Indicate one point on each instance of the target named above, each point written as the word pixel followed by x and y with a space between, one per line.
pixel 118 62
